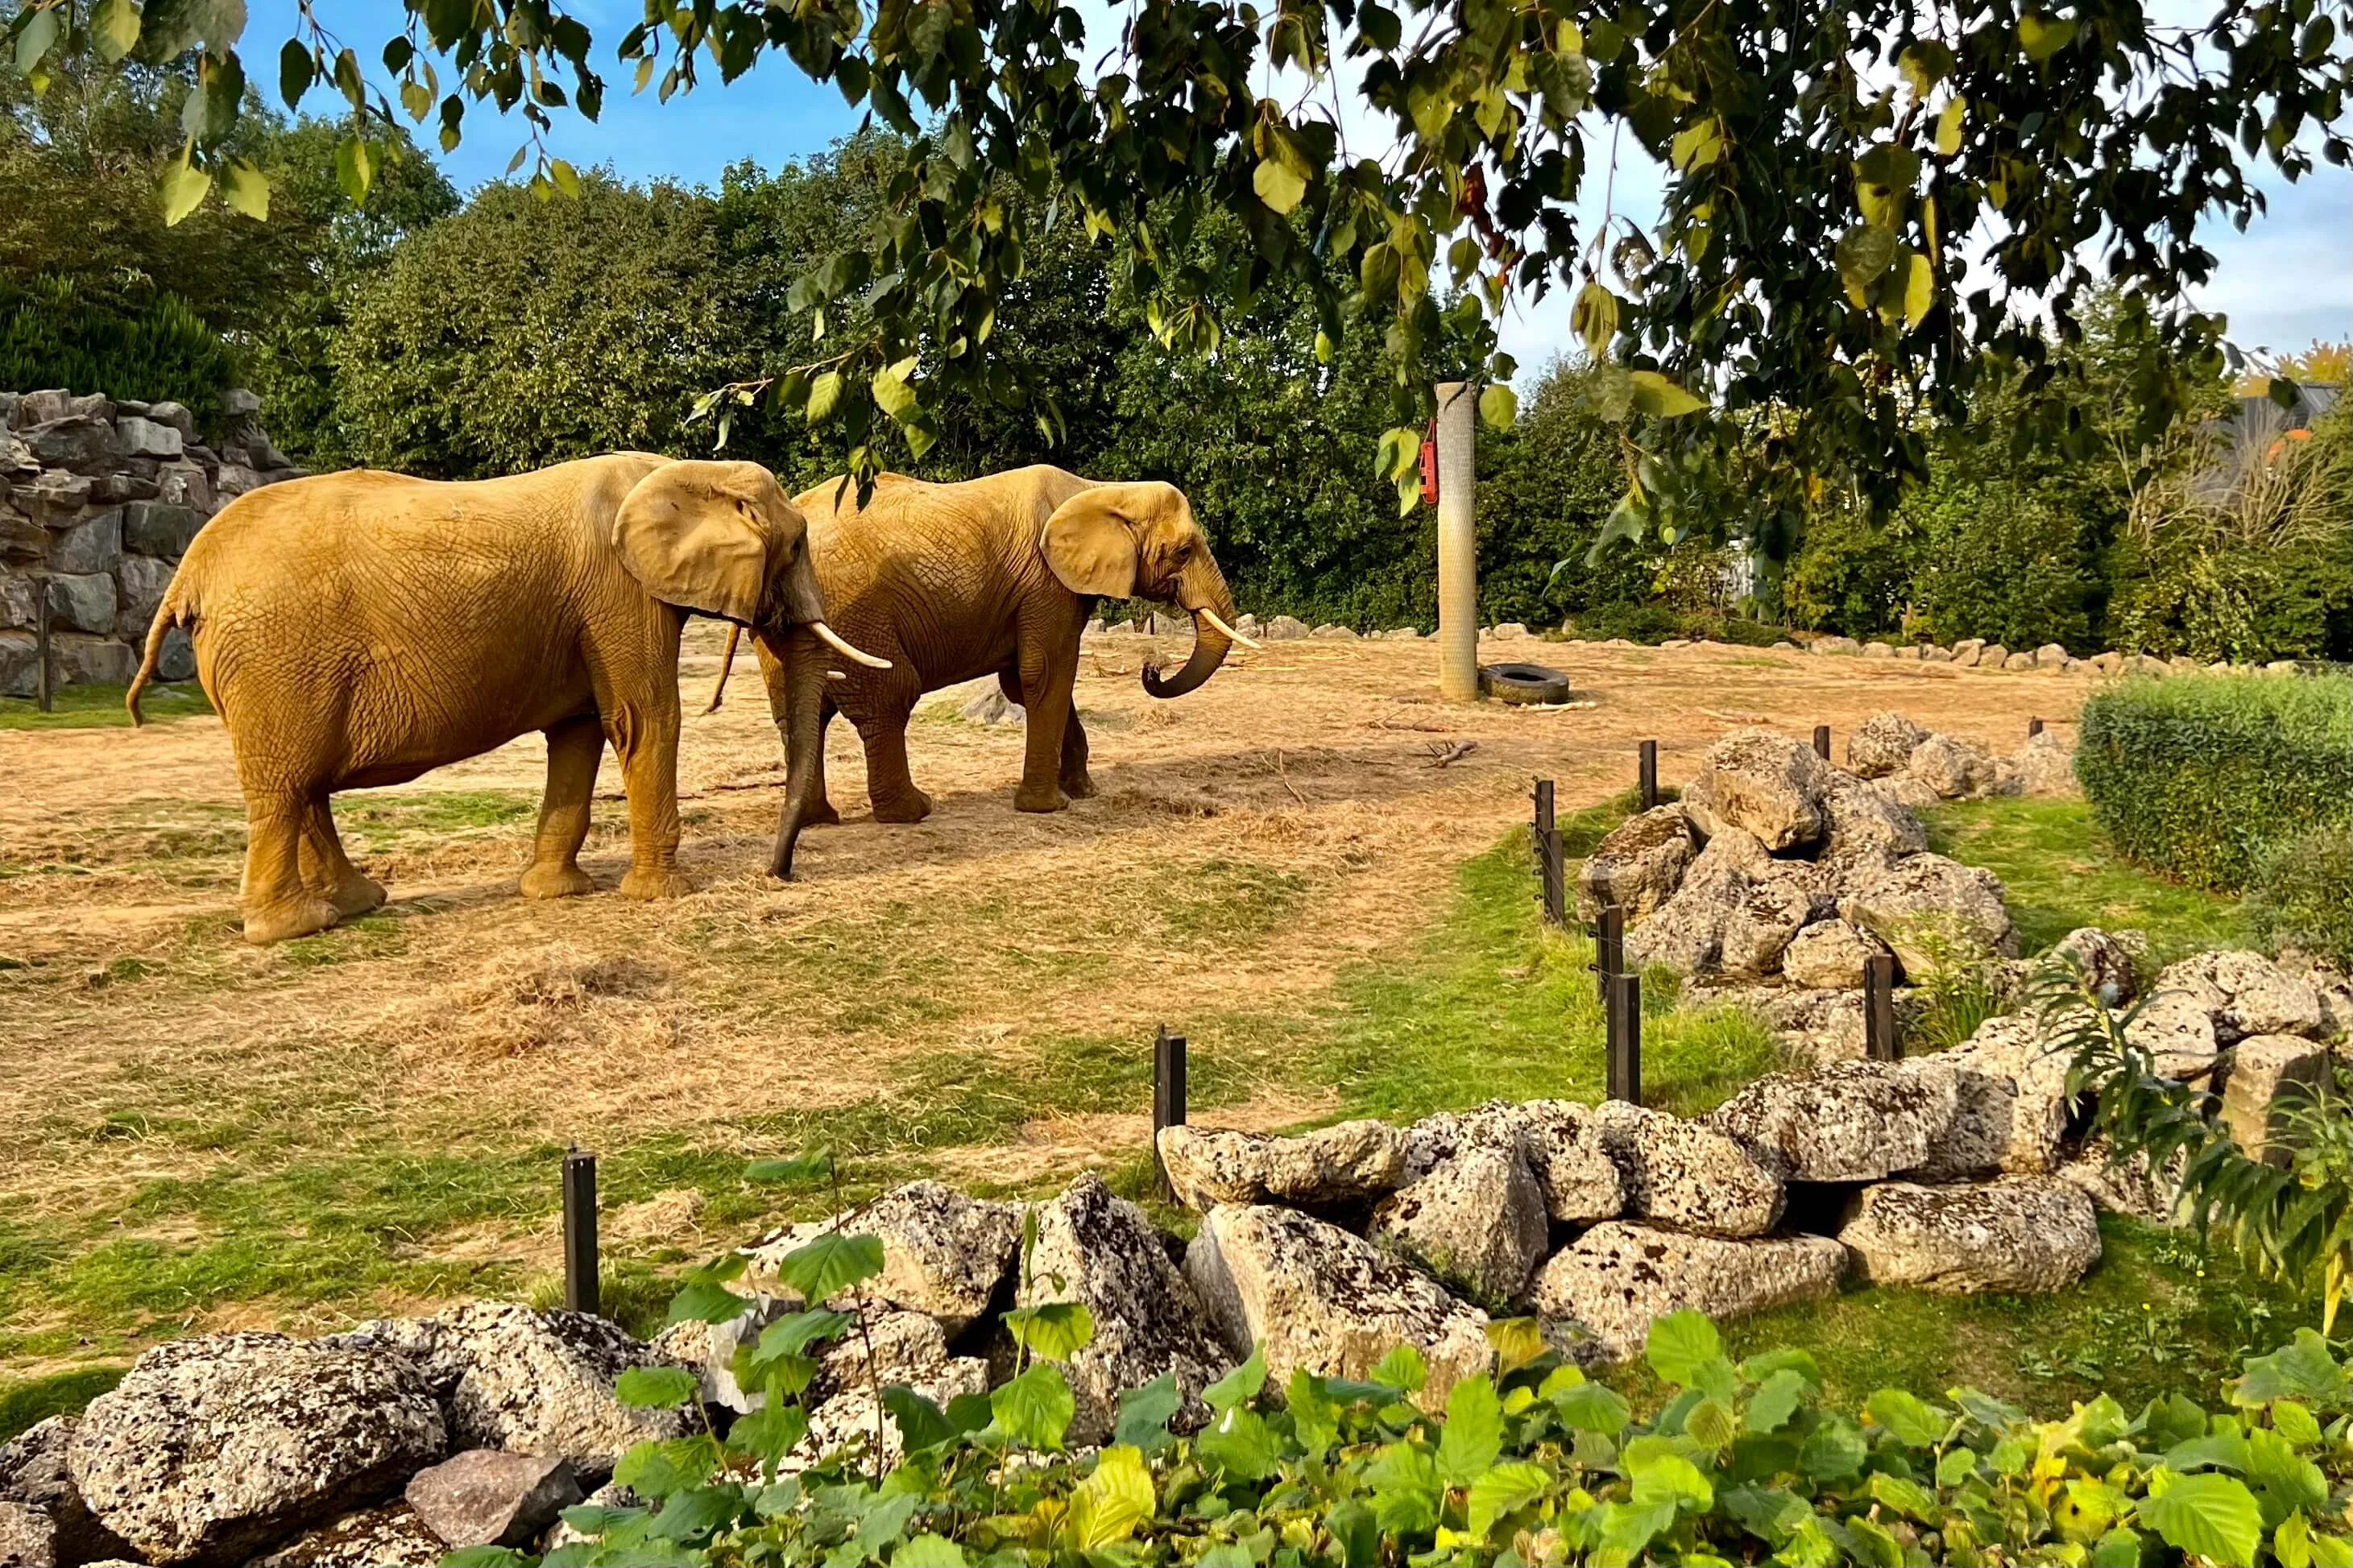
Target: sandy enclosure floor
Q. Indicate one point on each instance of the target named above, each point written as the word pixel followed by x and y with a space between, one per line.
pixel 1248 842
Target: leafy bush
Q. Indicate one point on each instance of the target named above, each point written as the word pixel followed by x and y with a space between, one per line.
pixel 2195 774
pixel 51 336
pixel 2002 560
pixel 2302 894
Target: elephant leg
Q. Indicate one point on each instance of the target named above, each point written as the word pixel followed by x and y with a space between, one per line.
pixel 1050 664
pixel 276 904
pixel 645 739
pixel 889 785
pixel 574 749
pixel 328 871
pixel 1075 779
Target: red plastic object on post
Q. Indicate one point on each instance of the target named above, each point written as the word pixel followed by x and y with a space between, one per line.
pixel 1430 464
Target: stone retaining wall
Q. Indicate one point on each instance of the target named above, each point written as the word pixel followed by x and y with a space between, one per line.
pixel 99 499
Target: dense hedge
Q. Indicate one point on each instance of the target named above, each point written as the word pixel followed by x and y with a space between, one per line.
pixel 52 336
pixel 2196 774
pixel 2302 894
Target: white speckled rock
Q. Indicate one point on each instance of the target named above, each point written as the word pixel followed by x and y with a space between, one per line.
pixel 1097 1248
pixel 1476 1221
pixel 2021 1234
pixel 1927 899
pixel 1830 955
pixel 1951 766
pixel 213 1449
pixel 537 1383
pixel 392 1536
pixel 1687 1174
pixel 942 1253
pixel 2010 1104
pixel 33 1472
pixel 1311 1295
pixel 2176 1029
pixel 1345 1163
pixel 1770 784
pixel 2109 962
pixel 1848 1121
pixel 2247 993
pixel 2261 1068
pixel 1866 830
pixel 1881 744
pixel 1559 1139
pixel 28 1537
pixel 1598 1298
pixel 1638 863
pixel 2046 766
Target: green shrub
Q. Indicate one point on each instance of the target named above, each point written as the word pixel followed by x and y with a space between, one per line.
pixel 1999 560
pixel 2302 894
pixel 50 336
pixel 2195 774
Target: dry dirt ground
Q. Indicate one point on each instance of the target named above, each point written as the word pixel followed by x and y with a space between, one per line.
pixel 178 1110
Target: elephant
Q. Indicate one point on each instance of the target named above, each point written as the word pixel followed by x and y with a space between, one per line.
pixel 992 576
pixel 361 628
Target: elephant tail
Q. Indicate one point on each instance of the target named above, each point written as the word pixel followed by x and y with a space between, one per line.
pixel 170 613
pixel 726 666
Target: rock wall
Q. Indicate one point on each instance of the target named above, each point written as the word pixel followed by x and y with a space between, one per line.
pixel 98 502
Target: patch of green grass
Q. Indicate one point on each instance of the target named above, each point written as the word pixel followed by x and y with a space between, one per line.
pixel 2061 873
pixel 2156 1314
pixel 375 821
pixel 101 706
pixel 24 1402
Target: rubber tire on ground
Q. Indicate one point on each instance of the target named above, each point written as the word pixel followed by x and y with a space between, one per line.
pixel 1522 683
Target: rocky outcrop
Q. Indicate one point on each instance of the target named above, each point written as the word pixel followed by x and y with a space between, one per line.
pixel 1688 1177
pixel 1768 783
pixel 1559 1139
pixel 1348 1163
pixel 1931 910
pixel 2022 1233
pixel 390 1536
pixel 1850 1121
pixel 1951 766
pixel 2045 765
pixel 1638 864
pixel 33 1476
pixel 2010 1104
pixel 98 501
pixel 211 1450
pixel 1830 955
pixel 1309 1294
pixel 942 1253
pixel 2245 994
pixel 1475 1221
pixel 2267 1077
pixel 484 1497
pixel 1598 1298
pixel 1881 744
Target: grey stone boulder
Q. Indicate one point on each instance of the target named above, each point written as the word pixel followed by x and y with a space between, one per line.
pixel 140 437
pixel 2247 993
pixel 28 1537
pixel 2011 1106
pixel 2020 1234
pixel 158 528
pixel 81 603
pixel 141 582
pixel 850 1414
pixel 2050 656
pixel 2266 1077
pixel 1770 784
pixel 390 1536
pixel 178 415
pixel 1559 1140
pixel 1686 1174
pixel 2128 1187
pixel 79 443
pixel 1758 927
pixel 2046 766
pixel 485 1497
pixel 213 1449
pixel 992 707
pixel 1830 955
pixel 1345 1163
pixel 1850 1121
pixel 33 1474
pixel 1904 791
pixel 1638 864
pixel 2109 962
pixel 942 1253
pixel 509 1376
pixel 1309 1294
pixel 1928 903
pixel 1967 651
pixel 1833 644
pixel 93 544
pixel 1866 831
pixel 2018 661
pixel 1476 1222
pixel 1881 744
pixel 1284 629
pixel 1598 1298
pixel 1953 767
pixel 2177 1030
pixel 1100 1250
pixel 1686 932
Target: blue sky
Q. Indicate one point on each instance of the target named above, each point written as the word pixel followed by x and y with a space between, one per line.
pixel 2287 281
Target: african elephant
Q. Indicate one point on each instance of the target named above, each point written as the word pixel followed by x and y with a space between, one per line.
pixel 359 628
pixel 994 576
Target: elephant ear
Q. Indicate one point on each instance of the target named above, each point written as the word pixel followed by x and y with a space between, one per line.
pixel 1089 546
pixel 691 542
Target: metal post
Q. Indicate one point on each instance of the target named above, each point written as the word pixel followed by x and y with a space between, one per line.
pixel 2034 727
pixel 1458 548
pixel 1552 879
pixel 1609 946
pixel 1167 1096
pixel 580 1287
pixel 41 642
pixel 1822 741
pixel 1625 1012
pixel 1649 753
pixel 1879 1041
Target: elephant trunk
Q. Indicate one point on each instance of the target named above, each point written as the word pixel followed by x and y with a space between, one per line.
pixel 801 725
pixel 1202 587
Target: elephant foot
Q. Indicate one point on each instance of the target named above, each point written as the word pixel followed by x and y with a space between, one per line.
pixel 291 918
pixel 1079 787
pixel 913 805
pixel 557 881
pixel 356 894
pixel 823 814
pixel 1050 798
pixel 656 882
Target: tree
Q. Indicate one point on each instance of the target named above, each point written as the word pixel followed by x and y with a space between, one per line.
pixel 1825 162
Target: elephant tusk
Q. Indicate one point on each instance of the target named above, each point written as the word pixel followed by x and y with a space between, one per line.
pixel 1211 616
pixel 833 639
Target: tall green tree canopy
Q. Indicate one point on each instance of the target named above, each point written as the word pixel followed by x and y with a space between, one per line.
pixel 1806 277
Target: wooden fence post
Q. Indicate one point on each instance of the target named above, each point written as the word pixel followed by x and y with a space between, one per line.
pixel 1625 1037
pixel 1822 741
pixel 1879 1043
pixel 1648 773
pixel 1609 947
pixel 581 1292
pixel 1167 1097
pixel 1551 874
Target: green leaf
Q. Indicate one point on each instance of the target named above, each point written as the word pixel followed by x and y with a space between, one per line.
pixel 2044 36
pixel 295 68
pixel 1657 396
pixel 656 1387
pixel 1683 1341
pixel 1950 121
pixel 795 1334
pixel 1498 406
pixel 1905 1497
pixel 928 1551
pixel 2209 1516
pixel 1592 1407
pixel 1034 1409
pixel 830 1264
pixel 246 190
pixel 2295 1423
pixel 566 178
pixel 1594 318
pixel 706 1302
pixel 1919 290
pixel 770 1433
pixel 1770 1407
pixel 817 1165
pixel 1357 1533
pixel 1627 1530
pixel 825 393
pixel 1144 1412
pixel 1238 1386
pixel 1115 1498
pixel 1056 1330
pixel 484 1557
pixel 1925 62
pixel 1241 1443
pixel 1671 1480
pixel 37 37
pixel 2303 1369
pixel 354 169
pixel 1505 1489
pixel 1833 1450
pixel 1278 184
pixel 1474 1435
pixel 1696 146
pixel 1403 1369
pixel 114 29
pixel 185 185
pixel 1911 1419
pixel 891 392
pixel 1863 253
